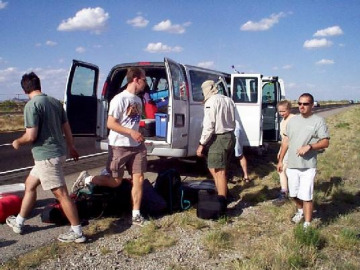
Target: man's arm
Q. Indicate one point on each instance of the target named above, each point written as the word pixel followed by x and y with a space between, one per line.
pixel 113 124
pixel 28 137
pixel 319 145
pixel 70 141
pixel 284 147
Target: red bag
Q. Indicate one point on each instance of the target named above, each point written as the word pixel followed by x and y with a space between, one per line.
pixel 9 205
pixel 150 110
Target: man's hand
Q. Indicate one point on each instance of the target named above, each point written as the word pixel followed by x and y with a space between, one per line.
pixel 279 167
pixel 199 151
pixel 137 136
pixel 303 150
pixel 16 144
pixel 73 153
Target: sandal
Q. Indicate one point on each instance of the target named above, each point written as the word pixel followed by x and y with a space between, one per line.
pixel 247 180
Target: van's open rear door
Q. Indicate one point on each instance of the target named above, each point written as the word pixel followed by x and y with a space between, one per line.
pixel 178 109
pixel 80 101
pixel 246 91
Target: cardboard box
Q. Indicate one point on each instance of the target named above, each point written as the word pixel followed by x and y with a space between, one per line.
pixel 161 124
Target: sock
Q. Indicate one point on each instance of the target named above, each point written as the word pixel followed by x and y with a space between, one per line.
pixel 306 224
pixel 20 220
pixel 284 191
pixel 300 210
pixel 88 180
pixel 77 229
pixel 135 213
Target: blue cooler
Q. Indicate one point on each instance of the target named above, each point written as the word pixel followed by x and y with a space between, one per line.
pixel 161 124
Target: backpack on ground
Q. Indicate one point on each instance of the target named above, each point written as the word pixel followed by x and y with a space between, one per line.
pixel 168 185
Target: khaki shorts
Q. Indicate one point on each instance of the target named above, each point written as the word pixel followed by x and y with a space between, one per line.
pixel 220 150
pixel 133 158
pixel 50 172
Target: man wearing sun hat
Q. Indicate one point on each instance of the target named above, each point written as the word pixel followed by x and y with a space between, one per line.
pixel 217 135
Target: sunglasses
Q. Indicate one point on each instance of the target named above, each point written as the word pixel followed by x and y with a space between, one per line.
pixel 304 103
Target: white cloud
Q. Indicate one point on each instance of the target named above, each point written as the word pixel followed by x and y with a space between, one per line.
pixel 87 19
pixel 167 26
pixel 206 64
pixel 330 31
pixel 325 62
pixel 3 4
pixel 317 43
pixel 80 49
pixel 287 67
pixel 51 43
pixel 8 74
pixel 161 48
pixel 138 22
pixel 263 24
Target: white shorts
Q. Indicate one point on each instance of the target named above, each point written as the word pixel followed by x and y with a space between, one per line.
pixel 301 183
pixel 49 172
pixel 238 147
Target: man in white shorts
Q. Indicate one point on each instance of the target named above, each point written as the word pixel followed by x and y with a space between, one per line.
pixel 305 135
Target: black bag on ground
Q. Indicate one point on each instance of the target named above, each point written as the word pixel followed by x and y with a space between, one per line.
pixel 152 204
pixel 104 201
pixel 210 205
pixel 54 214
pixel 191 189
pixel 168 186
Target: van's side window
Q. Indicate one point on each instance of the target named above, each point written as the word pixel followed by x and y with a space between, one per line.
pixel 245 90
pixel 83 82
pixel 178 82
pixel 197 78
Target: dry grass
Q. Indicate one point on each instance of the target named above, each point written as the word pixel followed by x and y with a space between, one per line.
pixel 11 122
pixel 259 234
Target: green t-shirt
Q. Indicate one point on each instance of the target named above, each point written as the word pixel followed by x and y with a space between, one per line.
pixel 48 115
pixel 302 131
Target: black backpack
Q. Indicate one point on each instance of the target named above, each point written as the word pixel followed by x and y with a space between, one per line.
pixel 168 185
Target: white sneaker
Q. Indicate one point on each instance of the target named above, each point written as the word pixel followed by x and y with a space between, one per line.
pixel 306 225
pixel 297 217
pixel 11 222
pixel 138 220
pixel 72 236
pixel 80 182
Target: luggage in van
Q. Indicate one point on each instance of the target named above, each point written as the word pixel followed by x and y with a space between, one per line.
pixel 147 127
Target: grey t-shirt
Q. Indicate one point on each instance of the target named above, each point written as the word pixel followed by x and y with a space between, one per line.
pixel 48 115
pixel 302 131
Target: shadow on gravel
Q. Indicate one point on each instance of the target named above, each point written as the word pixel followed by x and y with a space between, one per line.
pixel 4 243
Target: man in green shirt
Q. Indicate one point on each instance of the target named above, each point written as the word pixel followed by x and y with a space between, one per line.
pixel 45 123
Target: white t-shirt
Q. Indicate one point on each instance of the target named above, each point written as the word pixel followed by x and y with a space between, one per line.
pixel 127 109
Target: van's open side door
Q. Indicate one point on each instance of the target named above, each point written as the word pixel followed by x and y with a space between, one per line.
pixel 246 91
pixel 80 101
pixel 178 108
pixel 272 94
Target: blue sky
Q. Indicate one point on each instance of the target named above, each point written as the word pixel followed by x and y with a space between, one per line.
pixel 313 45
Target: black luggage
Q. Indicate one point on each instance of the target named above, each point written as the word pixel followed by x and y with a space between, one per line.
pixel 210 205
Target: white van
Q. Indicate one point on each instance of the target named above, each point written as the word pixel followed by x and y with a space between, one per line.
pixel 175 90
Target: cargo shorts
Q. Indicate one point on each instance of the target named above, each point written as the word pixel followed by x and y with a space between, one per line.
pixel 50 172
pixel 132 158
pixel 220 150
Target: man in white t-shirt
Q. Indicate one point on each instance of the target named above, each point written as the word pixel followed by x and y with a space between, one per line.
pixel 127 147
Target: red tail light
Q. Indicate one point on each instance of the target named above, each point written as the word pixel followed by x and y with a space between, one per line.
pixel 104 90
